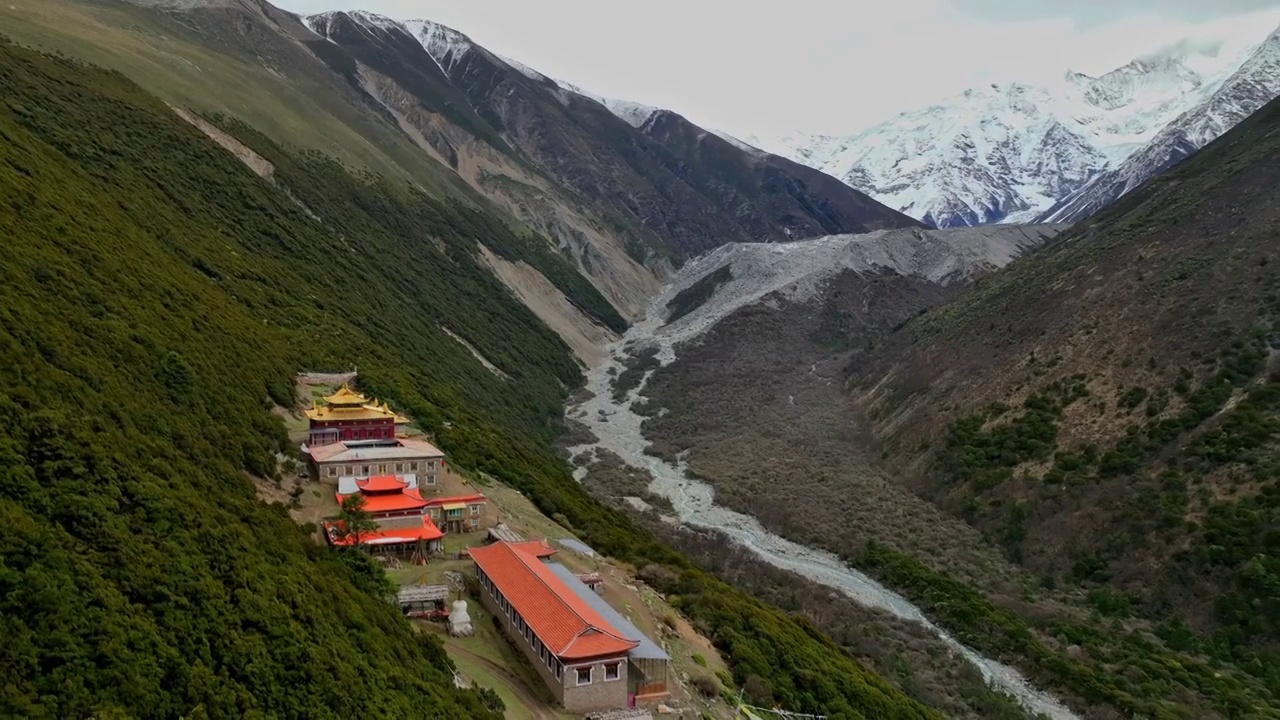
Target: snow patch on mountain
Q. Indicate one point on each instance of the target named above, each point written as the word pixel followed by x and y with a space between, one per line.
pixel 524 69
pixel 743 146
pixel 633 113
pixel 1011 152
pixel 1253 85
pixel 444 44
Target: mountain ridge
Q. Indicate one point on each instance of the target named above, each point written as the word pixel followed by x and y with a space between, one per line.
pixel 1103 135
pixel 627 205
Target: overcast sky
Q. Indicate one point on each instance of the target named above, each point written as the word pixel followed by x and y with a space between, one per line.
pixel 819 66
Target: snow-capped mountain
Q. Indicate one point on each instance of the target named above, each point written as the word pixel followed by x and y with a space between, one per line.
pixel 1250 87
pixel 1019 152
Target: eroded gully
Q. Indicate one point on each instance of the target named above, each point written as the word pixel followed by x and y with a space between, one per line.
pixel 618 431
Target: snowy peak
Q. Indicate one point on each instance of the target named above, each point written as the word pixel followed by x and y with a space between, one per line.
pixel 446 45
pixel 324 24
pixel 633 113
pixel 1011 152
pixel 1251 86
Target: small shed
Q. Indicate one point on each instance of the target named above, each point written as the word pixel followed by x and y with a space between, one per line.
pixel 592 580
pixel 503 533
pixel 423 600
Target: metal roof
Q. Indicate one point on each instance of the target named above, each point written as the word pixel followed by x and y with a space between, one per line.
pixel 646 650
pixel 578 546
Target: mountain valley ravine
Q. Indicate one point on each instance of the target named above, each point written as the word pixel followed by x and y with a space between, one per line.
pixel 610 418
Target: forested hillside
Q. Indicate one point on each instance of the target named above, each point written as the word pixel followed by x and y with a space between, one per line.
pixel 157 298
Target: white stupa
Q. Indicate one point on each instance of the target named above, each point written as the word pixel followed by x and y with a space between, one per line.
pixel 459 619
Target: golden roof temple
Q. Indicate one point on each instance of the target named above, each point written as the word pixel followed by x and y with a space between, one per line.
pixel 347 404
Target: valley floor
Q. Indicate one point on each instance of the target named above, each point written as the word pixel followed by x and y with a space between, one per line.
pixel 617 463
pixel 732 434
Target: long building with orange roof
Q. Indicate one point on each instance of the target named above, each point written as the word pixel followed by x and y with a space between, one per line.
pixel 577 653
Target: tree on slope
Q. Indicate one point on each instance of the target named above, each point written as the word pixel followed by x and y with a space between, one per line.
pixel 356 521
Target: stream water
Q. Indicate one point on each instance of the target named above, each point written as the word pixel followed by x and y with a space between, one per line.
pixel 618 431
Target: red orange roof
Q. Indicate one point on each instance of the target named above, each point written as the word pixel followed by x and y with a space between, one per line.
pixel 464 499
pixel 427 531
pixel 389 502
pixel 560 619
pixel 538 548
pixel 381 483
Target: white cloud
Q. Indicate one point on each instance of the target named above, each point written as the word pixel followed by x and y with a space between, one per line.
pixel 811 65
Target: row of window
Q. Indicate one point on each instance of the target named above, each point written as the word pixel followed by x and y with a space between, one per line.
pixel 582 675
pixel 357 434
pixel 384 468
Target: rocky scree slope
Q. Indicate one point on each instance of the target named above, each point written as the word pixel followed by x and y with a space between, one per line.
pixel 1107 410
pixel 1048 151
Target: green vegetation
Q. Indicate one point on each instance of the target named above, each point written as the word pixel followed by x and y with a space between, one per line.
pixel 986 457
pixel 635 368
pixel 1235 546
pixel 157 298
pixel 356 522
pixel 1127 670
pixel 697 294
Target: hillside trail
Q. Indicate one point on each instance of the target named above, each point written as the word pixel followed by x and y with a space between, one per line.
pixel 536 708
pixel 618 430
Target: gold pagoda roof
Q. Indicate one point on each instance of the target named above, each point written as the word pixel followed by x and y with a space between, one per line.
pixel 347 409
pixel 346 396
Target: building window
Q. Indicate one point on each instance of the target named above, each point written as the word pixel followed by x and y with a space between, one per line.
pixel 475 510
pixel 382 469
pixel 431 479
pixel 333 471
pixel 347 471
pixel 431 465
pixel 413 466
pixel 612 671
pixel 399 467
pixel 559 669
pixel 584 675
pixel 364 470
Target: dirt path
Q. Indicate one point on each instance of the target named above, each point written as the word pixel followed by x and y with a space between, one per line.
pixel 535 706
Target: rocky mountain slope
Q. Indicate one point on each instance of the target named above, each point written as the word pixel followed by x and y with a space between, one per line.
pixel 365 89
pixel 1053 152
pixel 653 170
pixel 622 201
pixel 1106 410
pixel 738 275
